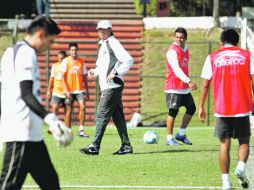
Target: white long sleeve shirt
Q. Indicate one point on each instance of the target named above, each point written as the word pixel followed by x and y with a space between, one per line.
pixel 173 61
pixel 122 66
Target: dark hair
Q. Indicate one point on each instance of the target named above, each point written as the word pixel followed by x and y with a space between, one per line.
pixel 62 52
pixel 181 30
pixel 229 36
pixel 42 22
pixel 73 44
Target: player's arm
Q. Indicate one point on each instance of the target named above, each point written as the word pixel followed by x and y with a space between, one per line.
pixel 30 100
pixel 85 80
pixel 123 56
pixel 207 76
pixel 173 61
pixel 203 95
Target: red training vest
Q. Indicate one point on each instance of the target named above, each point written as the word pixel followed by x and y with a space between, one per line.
pixel 172 81
pixel 231 81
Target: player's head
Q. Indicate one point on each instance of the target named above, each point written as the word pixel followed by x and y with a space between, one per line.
pixel 73 47
pixel 229 36
pixel 41 33
pixel 104 28
pixel 180 36
pixel 61 55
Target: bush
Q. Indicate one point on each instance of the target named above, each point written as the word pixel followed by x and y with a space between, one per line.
pixel 151 8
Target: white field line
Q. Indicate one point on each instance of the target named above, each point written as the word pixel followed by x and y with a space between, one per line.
pixel 127 187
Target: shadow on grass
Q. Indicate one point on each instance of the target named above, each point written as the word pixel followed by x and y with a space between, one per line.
pixel 174 151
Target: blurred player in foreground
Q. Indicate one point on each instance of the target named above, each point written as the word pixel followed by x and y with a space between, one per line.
pixel 22 115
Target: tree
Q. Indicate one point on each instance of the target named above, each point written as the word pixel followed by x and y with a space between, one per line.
pixel 216 17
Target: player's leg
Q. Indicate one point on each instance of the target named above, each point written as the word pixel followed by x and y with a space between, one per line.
pixel 242 133
pixel 55 102
pixel 173 103
pixel 105 110
pixel 68 111
pixel 41 167
pixel 82 109
pixel 224 158
pixel 14 166
pixel 120 123
pixel 188 102
pixel 224 132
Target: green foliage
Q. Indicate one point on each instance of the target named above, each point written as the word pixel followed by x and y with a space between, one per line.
pixel 205 7
pixel 151 8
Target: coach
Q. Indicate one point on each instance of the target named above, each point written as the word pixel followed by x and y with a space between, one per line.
pixel 113 62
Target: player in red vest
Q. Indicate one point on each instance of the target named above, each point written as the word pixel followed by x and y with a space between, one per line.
pixel 178 86
pixel 231 70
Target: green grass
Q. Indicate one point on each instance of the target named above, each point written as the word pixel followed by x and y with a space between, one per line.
pixel 153 98
pixel 150 165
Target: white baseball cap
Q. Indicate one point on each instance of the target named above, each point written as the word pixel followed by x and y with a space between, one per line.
pixel 104 24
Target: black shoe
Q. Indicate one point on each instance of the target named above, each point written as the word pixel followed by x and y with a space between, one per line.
pixel 90 150
pixel 126 149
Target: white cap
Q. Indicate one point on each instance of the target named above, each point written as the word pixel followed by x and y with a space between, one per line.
pixel 104 24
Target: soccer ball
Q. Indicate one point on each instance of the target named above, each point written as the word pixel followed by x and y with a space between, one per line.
pixel 151 137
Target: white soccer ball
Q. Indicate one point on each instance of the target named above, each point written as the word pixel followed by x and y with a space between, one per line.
pixel 151 137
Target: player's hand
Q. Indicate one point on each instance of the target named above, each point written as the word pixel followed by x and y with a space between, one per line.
pixel 192 86
pixel 49 94
pixel 91 73
pixel 68 95
pixel 58 129
pixel 201 114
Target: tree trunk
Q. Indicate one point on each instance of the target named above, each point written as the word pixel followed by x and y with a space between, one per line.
pixel 216 17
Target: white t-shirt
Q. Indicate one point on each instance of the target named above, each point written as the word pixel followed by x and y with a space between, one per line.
pixel 18 122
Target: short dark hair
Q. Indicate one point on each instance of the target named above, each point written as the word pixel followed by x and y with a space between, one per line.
pixel 71 44
pixel 42 22
pixel 181 30
pixel 62 52
pixel 229 36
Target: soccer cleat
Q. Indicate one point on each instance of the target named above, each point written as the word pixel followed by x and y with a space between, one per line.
pixel 90 150
pixel 172 142
pixel 183 138
pixel 83 134
pixel 126 149
pixel 242 179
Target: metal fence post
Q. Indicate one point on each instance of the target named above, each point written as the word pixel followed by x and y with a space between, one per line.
pixel 209 93
pixel 15 30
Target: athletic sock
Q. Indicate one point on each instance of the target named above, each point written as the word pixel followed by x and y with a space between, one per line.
pixel 81 127
pixel 169 137
pixel 226 180
pixel 182 131
pixel 240 165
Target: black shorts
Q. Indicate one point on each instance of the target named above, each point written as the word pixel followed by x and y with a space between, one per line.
pixel 232 127
pixel 57 100
pixel 78 97
pixel 22 158
pixel 175 101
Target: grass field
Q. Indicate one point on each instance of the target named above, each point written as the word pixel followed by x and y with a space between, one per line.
pixel 150 165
